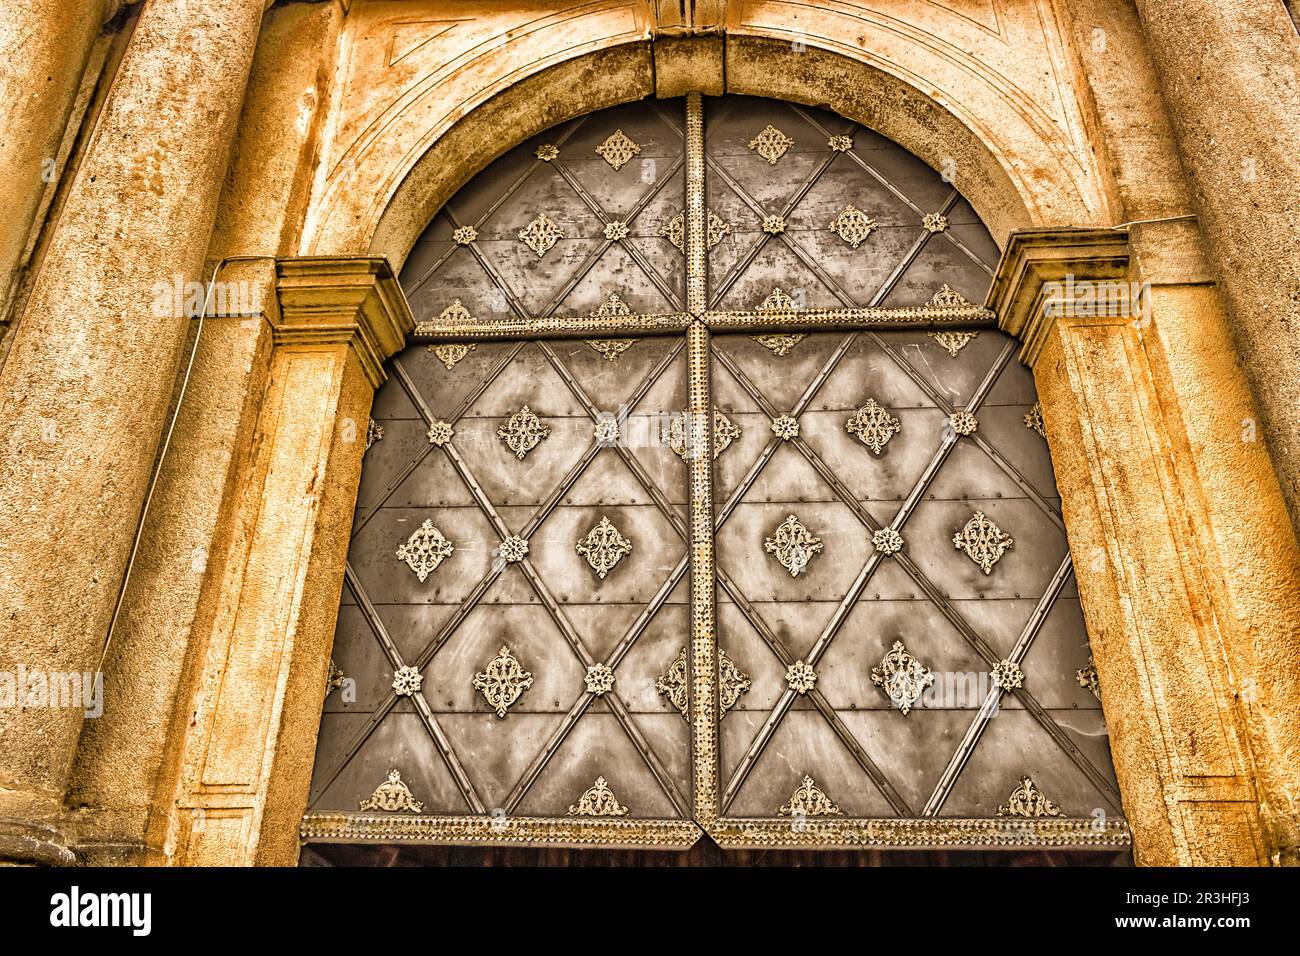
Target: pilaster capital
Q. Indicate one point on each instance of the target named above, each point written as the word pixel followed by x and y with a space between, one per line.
pixel 343 300
pixel 1045 273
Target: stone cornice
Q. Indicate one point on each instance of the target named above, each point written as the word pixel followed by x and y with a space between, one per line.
pixel 1038 265
pixel 350 300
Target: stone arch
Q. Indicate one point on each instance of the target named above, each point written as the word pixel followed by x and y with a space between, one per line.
pixel 1016 167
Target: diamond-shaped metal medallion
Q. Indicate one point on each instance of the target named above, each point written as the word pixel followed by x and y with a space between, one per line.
pixel 873 426
pixel 617 149
pixel 853 225
pixel 604 547
pixel 771 144
pixel 902 677
pixel 982 541
pixel 523 432
pixel 541 234
pixel 502 681
pixel 793 545
pixel 425 549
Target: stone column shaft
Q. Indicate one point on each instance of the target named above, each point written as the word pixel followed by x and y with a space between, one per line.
pixel 1230 74
pixel 87 383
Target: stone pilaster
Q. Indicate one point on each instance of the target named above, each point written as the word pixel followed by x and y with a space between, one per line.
pixel 246 727
pixel 1173 516
pixel 1230 74
pixel 85 388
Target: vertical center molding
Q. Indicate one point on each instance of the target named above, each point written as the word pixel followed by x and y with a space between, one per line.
pixel 704 656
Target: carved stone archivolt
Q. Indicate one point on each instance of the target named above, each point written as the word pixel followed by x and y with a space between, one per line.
pixel 982 541
pixel 793 545
pixel 503 681
pixel 425 549
pixel 541 234
pixel 1028 801
pixel 953 342
pixel 902 677
pixel 598 801
pixel 523 432
pixel 617 149
pixel 873 426
pixel 393 796
pixel 604 547
pixel 771 144
pixel 808 800
pixel 853 225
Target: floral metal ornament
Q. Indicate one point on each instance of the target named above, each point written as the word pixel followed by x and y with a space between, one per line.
pixel 963 423
pixel 953 342
pixel 673 685
pixel 393 796
pixel 840 144
pixel 374 433
pixel 612 307
pixel 1007 675
pixel 439 432
pixel 674 230
pixel 612 348
pixel 606 431
pixel 1087 678
pixel 948 298
pixel 732 682
pixel 853 225
pixel 982 541
pixel 873 426
pixel 777 303
pixel 617 149
pixel 902 677
pixel 599 679
pixel 598 801
pixel 464 235
pixel 935 222
pixel 800 677
pixel 425 549
pixel 785 427
pixel 1034 420
pixel 774 225
pixel 541 234
pixel 887 541
pixel 513 549
pixel 679 439
pixel 779 343
pixel 452 352
pixel 1028 801
pixel 503 681
pixel 547 152
pixel 771 144
pixel 604 547
pixel 334 679
pixel 523 432
pixel 793 545
pixel 616 230
pixel 809 800
pixel 406 681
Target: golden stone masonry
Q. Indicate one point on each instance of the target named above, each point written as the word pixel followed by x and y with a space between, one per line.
pixel 628 424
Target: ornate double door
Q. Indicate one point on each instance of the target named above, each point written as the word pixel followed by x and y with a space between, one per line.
pixel 705 500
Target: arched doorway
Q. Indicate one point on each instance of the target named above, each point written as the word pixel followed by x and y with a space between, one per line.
pixel 707 499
